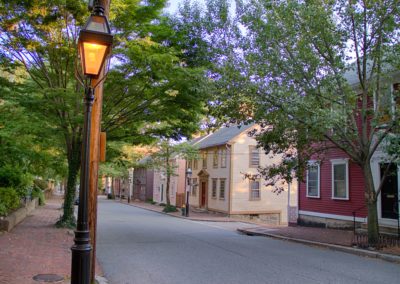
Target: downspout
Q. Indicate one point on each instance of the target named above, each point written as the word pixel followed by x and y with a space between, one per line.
pixel 229 149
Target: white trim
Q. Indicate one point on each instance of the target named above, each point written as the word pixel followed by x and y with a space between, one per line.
pixel 340 162
pixel 313 163
pixel 332 216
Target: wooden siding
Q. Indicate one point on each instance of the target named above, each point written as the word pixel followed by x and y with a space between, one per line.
pixel 325 203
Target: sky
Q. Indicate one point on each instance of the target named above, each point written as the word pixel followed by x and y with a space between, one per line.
pixel 173 5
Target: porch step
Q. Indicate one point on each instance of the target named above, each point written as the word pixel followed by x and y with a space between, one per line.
pixel 198 210
pixel 387 230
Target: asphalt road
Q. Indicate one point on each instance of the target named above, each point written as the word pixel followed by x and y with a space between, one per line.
pixel 137 246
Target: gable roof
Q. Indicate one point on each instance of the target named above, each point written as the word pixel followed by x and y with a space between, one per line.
pixel 195 141
pixel 223 135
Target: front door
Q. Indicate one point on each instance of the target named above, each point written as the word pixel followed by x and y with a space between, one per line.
pixel 203 194
pixel 389 194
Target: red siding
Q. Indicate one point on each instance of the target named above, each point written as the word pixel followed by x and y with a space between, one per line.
pixel 325 203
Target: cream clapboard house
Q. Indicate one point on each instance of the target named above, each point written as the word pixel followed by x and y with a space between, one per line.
pixel 218 182
pixel 177 184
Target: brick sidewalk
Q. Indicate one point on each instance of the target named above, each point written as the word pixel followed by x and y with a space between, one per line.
pixel 35 246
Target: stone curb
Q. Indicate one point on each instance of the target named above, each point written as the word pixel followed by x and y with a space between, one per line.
pixel 183 217
pixel 356 251
pixel 361 252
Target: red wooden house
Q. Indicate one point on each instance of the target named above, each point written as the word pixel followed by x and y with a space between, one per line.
pixel 332 194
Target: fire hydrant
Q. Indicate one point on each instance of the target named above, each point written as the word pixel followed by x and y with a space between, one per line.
pixel 183 210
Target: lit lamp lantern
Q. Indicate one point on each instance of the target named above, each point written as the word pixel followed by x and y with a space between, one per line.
pixel 94 43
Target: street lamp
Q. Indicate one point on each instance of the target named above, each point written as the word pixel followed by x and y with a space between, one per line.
pixel 189 183
pixel 94 46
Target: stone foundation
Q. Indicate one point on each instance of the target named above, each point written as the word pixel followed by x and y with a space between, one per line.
pixel 321 222
pixel 266 218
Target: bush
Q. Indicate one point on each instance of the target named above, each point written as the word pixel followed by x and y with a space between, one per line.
pixel 170 208
pixel 162 204
pixel 9 200
pixel 37 192
pixel 42 184
pixel 14 177
pixel 151 201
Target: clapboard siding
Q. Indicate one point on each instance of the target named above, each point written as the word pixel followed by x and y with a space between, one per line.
pixel 325 204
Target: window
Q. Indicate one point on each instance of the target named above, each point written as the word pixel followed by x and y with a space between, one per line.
pixel 254 156
pixel 255 193
pixel 222 182
pixel 189 165
pixel 194 186
pixel 387 102
pixel 215 159
pixel 223 158
pixel 204 160
pixel 195 164
pixel 214 188
pixel 313 179
pixel 340 188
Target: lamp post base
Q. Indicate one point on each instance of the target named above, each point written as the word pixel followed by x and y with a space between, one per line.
pixel 80 270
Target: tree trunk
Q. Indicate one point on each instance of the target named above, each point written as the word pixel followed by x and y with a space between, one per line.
pixel 167 190
pixel 68 218
pixel 371 201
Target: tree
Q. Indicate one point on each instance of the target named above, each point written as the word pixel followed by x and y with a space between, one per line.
pixel 41 37
pixel 163 160
pixel 209 38
pixel 298 56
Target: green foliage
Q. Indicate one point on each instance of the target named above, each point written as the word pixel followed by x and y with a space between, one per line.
pixel 151 201
pixel 40 183
pixel 170 208
pixel 9 200
pixel 162 204
pixel 38 193
pixel 12 177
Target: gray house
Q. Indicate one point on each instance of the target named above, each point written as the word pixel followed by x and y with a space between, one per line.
pixel 143 178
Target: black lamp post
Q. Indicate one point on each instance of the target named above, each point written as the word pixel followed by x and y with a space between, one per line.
pixel 189 183
pixel 94 45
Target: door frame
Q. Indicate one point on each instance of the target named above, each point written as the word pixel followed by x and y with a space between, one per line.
pixel 378 159
pixel 205 181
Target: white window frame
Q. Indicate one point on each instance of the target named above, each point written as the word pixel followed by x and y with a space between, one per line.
pixel 252 151
pixel 317 164
pixel 215 159
pixel 222 189
pixel 223 158
pixel 214 190
pixel 340 162
pixel 251 190
pixel 194 186
pixel 204 160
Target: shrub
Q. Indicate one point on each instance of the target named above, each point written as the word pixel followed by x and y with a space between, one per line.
pixel 170 208
pixel 37 192
pixel 42 184
pixel 9 200
pixel 14 177
pixel 151 201
pixel 162 204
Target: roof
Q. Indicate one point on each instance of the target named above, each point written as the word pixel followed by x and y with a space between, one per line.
pixel 145 160
pixel 351 75
pixel 223 135
pixel 195 141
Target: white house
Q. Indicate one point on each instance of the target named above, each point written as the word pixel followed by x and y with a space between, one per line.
pixel 219 182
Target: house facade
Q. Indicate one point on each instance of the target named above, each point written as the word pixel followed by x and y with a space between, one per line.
pixel 332 194
pixel 177 184
pixel 143 179
pixel 219 183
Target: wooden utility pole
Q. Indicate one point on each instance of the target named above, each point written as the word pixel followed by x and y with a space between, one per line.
pixel 95 156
